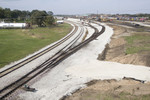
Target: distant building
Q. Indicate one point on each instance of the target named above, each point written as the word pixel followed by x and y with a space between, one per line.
pixel 12 25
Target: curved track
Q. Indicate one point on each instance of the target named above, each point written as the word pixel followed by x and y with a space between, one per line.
pixel 26 61
pixel 13 86
pixel 49 64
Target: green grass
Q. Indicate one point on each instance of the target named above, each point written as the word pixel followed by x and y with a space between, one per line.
pixel 137 43
pixel 133 38
pixel 132 50
pixel 18 43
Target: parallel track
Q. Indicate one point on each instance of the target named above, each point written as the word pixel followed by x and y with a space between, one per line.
pixel 49 64
pixel 26 61
pixel 15 85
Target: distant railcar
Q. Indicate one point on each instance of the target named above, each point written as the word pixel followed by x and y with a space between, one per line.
pixel 13 25
pixel 60 22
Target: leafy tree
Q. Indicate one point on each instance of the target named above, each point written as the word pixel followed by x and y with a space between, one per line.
pixel 50 13
pixel 7 13
pixel 16 13
pixel 25 15
pixel 38 17
pixel 1 13
pixel 33 11
pixel 41 18
pixel 49 21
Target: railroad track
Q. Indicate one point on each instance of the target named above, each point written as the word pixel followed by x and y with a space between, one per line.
pixel 16 84
pixel 49 64
pixel 28 60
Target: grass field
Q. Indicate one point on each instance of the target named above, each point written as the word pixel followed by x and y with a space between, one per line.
pixel 138 43
pixel 18 43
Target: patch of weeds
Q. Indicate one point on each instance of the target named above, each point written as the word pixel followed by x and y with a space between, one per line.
pixel 137 43
pixel 133 38
pixel 145 97
pixel 132 50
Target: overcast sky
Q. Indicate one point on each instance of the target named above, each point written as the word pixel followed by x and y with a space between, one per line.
pixel 80 6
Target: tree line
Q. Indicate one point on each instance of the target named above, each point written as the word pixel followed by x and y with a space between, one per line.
pixel 41 18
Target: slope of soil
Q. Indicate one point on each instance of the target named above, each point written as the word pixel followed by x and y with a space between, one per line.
pixel 113 90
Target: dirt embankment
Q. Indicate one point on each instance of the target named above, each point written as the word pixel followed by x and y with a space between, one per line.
pixel 116 50
pixel 126 89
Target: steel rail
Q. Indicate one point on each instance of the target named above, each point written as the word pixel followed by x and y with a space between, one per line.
pixel 50 65
pixel 15 85
pixel 26 61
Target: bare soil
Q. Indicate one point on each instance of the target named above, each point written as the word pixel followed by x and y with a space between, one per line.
pixel 126 89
